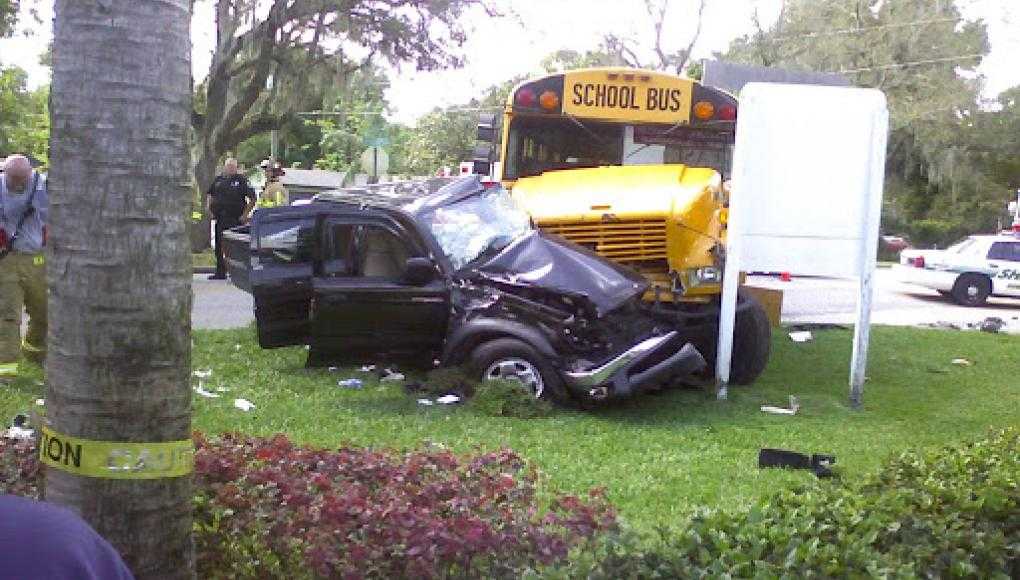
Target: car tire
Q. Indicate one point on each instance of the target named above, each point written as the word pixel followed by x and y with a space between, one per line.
pixel 752 344
pixel 507 357
pixel 972 289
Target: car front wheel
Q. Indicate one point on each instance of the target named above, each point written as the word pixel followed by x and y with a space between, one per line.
pixel 972 289
pixel 514 360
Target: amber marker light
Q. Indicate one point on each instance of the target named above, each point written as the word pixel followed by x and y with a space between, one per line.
pixel 704 110
pixel 549 100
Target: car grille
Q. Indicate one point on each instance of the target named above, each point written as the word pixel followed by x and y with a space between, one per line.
pixel 625 241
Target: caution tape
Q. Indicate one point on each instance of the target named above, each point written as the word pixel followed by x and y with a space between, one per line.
pixel 39 260
pixel 116 460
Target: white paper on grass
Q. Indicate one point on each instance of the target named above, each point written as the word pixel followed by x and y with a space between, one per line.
pixel 802 169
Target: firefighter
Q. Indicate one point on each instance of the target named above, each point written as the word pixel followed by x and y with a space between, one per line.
pixel 274 194
pixel 23 212
pixel 229 200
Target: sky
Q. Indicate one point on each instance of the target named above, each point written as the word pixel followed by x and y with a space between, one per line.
pixel 498 49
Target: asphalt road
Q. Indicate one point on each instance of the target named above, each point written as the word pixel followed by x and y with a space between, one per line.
pixel 218 304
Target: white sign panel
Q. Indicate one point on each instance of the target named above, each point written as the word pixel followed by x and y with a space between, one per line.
pixel 808 173
pixel 802 170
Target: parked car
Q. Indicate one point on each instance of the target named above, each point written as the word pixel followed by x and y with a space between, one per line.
pixel 969 271
pixel 454 273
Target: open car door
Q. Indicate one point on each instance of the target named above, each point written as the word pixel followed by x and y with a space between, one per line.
pixel 282 244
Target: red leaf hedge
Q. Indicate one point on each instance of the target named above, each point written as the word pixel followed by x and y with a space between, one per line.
pixel 269 508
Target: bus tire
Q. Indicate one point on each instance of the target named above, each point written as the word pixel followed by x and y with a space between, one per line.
pixel 752 343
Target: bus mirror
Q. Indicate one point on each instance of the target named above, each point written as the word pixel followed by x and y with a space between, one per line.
pixel 482 152
pixel 487 127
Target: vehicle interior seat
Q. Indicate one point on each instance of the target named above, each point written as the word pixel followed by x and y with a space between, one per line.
pixel 384 255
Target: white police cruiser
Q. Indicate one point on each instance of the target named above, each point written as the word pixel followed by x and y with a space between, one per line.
pixel 969 271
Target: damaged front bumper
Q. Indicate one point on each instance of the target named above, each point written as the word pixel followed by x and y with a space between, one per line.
pixel 647 363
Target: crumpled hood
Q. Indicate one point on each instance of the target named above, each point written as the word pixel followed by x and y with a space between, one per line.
pixel 540 260
pixel 632 191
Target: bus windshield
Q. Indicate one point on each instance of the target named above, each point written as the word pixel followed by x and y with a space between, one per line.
pixel 537 145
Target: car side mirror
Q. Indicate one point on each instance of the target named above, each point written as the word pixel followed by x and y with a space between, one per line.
pixel 419 271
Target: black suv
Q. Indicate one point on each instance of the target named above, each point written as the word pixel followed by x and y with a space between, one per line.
pixel 452 273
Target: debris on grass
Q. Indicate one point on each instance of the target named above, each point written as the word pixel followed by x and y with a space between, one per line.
pixel 791 410
pixel 962 362
pixel 206 393
pixel 202 373
pixel 40 402
pixel 350 383
pixel 448 399
pixel 367 369
pixel 244 404
pixel 992 324
pixel 20 428
pixel 820 464
pixel 426 402
pixel 392 376
pixel 801 336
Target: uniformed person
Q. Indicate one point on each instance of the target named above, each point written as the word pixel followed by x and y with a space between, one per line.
pixel 274 194
pixel 23 212
pixel 229 200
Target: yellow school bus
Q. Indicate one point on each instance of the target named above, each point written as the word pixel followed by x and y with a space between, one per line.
pixel 631 163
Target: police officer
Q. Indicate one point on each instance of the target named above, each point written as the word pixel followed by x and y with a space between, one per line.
pixel 23 210
pixel 230 200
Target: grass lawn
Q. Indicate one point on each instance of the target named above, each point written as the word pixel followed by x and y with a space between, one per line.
pixel 659 456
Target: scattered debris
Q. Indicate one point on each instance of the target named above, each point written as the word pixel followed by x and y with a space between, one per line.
pixel 426 402
pixel 202 373
pixel 801 336
pixel 992 324
pixel 244 404
pixel 350 383
pixel 237 347
pixel 333 369
pixel 367 369
pixel 206 393
pixel 819 463
pixel 222 389
pixel 962 362
pixel 944 325
pixel 791 410
pixel 448 399
pixel 392 376
pixel 817 326
pixel 20 429
pixel 40 402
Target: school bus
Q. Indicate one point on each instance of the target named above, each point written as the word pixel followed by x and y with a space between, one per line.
pixel 632 163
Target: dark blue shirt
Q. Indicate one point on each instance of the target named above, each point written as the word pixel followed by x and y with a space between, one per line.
pixel 42 540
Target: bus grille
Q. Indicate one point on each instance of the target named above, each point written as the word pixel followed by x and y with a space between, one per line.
pixel 625 241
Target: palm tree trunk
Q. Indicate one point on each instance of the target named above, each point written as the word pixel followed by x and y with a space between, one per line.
pixel 118 269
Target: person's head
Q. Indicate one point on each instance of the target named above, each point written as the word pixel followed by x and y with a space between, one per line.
pixel 17 172
pixel 230 166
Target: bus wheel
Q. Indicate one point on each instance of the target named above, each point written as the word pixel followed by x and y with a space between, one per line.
pixel 752 343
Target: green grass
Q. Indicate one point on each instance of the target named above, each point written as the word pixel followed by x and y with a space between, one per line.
pixel 659 456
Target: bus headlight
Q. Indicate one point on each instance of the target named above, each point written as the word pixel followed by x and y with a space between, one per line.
pixel 695 277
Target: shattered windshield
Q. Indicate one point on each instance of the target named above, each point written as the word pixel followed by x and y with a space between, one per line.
pixel 478 226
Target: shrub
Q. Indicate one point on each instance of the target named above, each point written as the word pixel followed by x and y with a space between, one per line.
pixel 953 512
pixel 266 508
pixel 303 512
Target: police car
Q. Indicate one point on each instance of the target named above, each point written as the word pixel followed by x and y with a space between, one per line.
pixel 969 271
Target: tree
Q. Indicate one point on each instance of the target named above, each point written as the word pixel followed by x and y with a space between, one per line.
pixel 270 55
pixel 624 51
pixel 8 16
pixel 24 118
pixel 118 367
pixel 923 56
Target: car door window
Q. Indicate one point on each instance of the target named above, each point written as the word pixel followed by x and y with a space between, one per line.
pixel 381 253
pixel 286 241
pixel 338 249
pixel 1006 251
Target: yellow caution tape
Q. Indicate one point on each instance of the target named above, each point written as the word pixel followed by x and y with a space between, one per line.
pixel 196 215
pixel 39 260
pixel 115 460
